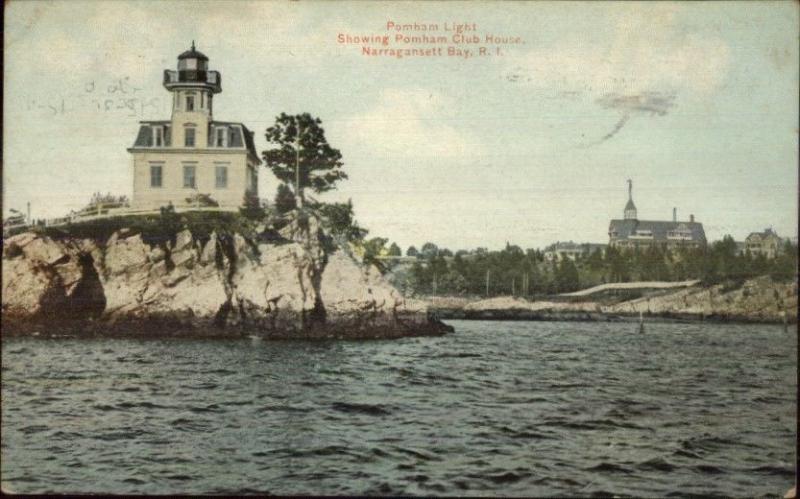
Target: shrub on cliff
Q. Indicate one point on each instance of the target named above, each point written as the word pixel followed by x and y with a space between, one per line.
pixel 158 229
pixel 340 220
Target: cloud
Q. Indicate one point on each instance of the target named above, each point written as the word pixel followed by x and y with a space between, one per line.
pixel 641 59
pixel 412 122
pixel 649 49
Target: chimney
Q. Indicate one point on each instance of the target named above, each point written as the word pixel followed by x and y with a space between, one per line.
pixel 691 218
pixel 674 214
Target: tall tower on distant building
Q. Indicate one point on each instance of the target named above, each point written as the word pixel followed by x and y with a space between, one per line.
pixel 630 208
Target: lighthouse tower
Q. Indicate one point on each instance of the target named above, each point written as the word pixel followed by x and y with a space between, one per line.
pixel 193 87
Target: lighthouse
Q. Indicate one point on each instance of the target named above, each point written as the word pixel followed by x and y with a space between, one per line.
pixel 191 154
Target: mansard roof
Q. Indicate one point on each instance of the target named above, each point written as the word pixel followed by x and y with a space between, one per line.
pixel 239 136
pixel 626 228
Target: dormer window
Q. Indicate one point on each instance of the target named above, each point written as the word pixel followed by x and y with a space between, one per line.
pixel 190 103
pixel 220 137
pixel 158 139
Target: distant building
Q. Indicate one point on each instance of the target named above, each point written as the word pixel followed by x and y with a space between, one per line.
pixel 192 154
pixel 561 250
pixel 630 232
pixel 765 243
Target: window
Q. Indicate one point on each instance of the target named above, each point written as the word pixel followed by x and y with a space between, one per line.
pixel 155 175
pixel 189 103
pixel 220 137
pixel 188 177
pixel 189 137
pixel 159 136
pixel 221 177
pixel 252 179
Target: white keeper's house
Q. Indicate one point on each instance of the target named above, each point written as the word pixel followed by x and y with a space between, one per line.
pixel 191 154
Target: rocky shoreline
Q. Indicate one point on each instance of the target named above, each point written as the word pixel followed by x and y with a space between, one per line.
pixel 760 300
pixel 224 284
pixel 561 316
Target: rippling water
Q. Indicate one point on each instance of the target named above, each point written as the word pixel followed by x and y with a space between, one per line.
pixel 499 408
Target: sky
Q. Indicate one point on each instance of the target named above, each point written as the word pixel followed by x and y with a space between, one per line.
pixel 695 102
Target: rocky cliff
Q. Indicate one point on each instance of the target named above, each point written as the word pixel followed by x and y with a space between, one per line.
pixel 220 284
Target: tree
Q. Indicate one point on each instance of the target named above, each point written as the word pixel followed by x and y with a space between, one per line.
pixel 452 282
pixel 394 250
pixel 374 248
pixel 417 279
pixel 252 207
pixel 618 265
pixel 567 276
pixel 429 250
pixel 341 221
pixel 595 260
pixel 785 265
pixel 284 199
pixel 302 156
pixel 412 251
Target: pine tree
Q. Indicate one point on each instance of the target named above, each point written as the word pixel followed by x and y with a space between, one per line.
pixel 302 152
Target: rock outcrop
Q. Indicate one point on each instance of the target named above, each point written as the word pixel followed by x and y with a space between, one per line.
pixel 756 300
pixel 218 285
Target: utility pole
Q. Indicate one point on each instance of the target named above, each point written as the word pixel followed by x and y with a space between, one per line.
pixel 433 264
pixel 487 282
pixel 513 283
pixel 297 192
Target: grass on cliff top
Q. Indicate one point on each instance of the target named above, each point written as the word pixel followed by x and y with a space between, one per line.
pixel 159 228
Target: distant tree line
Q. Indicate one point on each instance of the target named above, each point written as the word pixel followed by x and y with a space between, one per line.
pixel 526 273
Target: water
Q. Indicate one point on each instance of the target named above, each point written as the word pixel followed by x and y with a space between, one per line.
pixel 499 408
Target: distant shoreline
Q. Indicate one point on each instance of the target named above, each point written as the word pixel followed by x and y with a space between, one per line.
pixel 756 301
pixel 528 316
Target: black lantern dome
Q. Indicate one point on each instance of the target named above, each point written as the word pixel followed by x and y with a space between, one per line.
pixel 193 70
